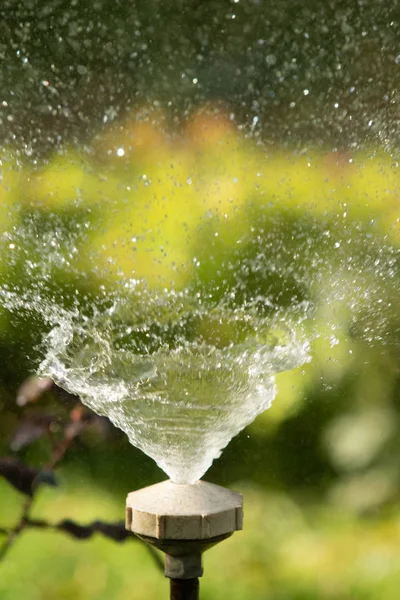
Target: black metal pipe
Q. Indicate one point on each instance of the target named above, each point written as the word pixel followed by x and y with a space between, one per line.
pixel 184 589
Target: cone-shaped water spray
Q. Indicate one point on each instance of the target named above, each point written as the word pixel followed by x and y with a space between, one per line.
pixel 180 383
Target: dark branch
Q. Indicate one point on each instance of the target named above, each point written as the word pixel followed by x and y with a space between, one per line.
pixel 29 479
pixel 114 531
pixel 33 478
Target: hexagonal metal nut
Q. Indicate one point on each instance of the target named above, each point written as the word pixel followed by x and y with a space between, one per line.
pixel 171 511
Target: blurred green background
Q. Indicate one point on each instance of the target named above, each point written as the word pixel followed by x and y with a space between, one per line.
pixel 153 126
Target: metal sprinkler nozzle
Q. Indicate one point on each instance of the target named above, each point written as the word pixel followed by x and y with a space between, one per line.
pixel 184 521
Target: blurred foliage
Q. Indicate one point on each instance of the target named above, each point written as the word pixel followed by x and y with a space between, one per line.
pixel 284 165
pixel 290 549
pixel 177 206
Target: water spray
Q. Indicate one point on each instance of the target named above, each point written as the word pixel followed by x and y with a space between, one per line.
pixel 183 521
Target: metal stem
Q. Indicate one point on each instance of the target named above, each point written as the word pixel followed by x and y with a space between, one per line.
pixel 184 589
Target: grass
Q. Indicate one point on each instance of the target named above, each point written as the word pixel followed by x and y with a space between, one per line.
pixel 288 550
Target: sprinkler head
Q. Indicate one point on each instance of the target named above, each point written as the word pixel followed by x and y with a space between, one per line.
pixel 183 521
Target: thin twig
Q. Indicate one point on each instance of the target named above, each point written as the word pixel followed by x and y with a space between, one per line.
pixel 16 531
pixel 42 524
pixel 59 452
pixel 57 455
pixel 71 431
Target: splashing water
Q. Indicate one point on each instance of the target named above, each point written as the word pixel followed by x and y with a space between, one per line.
pixel 180 386
pixel 182 371
pixel 185 361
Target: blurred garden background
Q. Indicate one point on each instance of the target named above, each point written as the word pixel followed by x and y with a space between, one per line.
pixel 179 142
